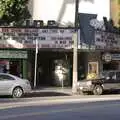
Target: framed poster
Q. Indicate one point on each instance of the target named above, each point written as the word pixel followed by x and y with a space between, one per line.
pixel 93 67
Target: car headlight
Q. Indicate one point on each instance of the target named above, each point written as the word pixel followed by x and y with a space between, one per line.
pixel 27 82
pixel 89 83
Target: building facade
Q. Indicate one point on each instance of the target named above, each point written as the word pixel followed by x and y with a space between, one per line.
pixel 54 57
pixel 55 45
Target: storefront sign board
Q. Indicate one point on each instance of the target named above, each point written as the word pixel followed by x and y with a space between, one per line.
pixel 25 38
pixel 13 54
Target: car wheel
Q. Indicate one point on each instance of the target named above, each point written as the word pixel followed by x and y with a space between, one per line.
pixel 17 92
pixel 98 90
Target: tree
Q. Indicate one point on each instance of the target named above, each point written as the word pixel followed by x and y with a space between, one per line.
pixel 14 11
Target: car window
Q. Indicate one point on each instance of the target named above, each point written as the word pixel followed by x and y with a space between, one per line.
pixel 103 74
pixel 118 75
pixel 6 77
pixel 111 74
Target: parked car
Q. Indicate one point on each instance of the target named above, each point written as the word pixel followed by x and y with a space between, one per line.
pixel 13 85
pixel 108 80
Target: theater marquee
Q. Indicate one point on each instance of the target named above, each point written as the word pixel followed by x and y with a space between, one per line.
pixel 25 38
pixel 107 40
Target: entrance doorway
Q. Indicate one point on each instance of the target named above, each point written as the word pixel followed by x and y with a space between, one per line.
pixel 15 68
pixel 11 66
pixel 4 66
pixel 46 66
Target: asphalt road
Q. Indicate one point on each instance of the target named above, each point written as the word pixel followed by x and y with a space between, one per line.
pixel 105 110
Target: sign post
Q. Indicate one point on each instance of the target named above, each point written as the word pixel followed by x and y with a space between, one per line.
pixel 35 71
pixel 75 72
pixel 75 50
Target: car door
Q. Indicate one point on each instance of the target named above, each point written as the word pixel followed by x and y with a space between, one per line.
pixel 117 80
pixel 108 82
pixel 6 83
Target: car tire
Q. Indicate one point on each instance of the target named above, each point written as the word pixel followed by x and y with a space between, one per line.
pixel 98 90
pixel 17 92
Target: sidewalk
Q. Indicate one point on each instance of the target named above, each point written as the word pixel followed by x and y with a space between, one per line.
pixel 50 96
pixel 52 91
pixel 39 93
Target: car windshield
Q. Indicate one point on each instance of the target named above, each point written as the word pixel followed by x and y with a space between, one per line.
pixel 16 77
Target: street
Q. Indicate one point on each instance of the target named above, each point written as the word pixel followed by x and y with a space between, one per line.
pixel 105 110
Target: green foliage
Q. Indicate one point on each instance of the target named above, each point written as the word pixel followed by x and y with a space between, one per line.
pixel 14 11
pixel 118 1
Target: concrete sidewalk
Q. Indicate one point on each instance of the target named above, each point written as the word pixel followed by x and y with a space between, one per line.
pixel 50 96
pixel 64 90
pixel 50 92
pixel 39 93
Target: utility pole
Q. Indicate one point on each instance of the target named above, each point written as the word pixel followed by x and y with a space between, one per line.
pixel 35 71
pixel 76 13
pixel 75 50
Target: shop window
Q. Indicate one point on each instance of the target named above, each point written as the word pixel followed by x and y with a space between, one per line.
pixel 110 66
pixel 118 75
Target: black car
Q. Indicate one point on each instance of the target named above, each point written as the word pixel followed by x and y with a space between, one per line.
pixel 108 80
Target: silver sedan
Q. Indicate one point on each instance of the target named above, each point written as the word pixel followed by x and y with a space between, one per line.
pixel 13 85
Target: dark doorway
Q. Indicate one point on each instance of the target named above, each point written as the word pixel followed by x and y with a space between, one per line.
pixel 46 67
pixel 111 66
pixel 44 72
pixel 15 68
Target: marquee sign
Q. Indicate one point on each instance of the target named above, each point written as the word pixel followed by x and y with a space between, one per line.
pixel 106 40
pixel 25 38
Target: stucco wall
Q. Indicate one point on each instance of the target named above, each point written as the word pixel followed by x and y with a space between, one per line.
pixel 63 11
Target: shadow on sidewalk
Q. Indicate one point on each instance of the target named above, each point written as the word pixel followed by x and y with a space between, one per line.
pixel 51 93
pixel 7 99
pixel 46 94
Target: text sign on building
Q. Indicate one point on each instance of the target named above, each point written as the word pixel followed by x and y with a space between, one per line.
pixel 25 38
pixel 115 56
pixel 105 40
pixel 13 54
pixel 110 56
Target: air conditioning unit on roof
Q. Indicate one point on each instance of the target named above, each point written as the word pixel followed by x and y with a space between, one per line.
pixel 52 23
pixel 38 23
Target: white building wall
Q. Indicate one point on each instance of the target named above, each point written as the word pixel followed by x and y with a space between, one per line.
pixel 63 11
